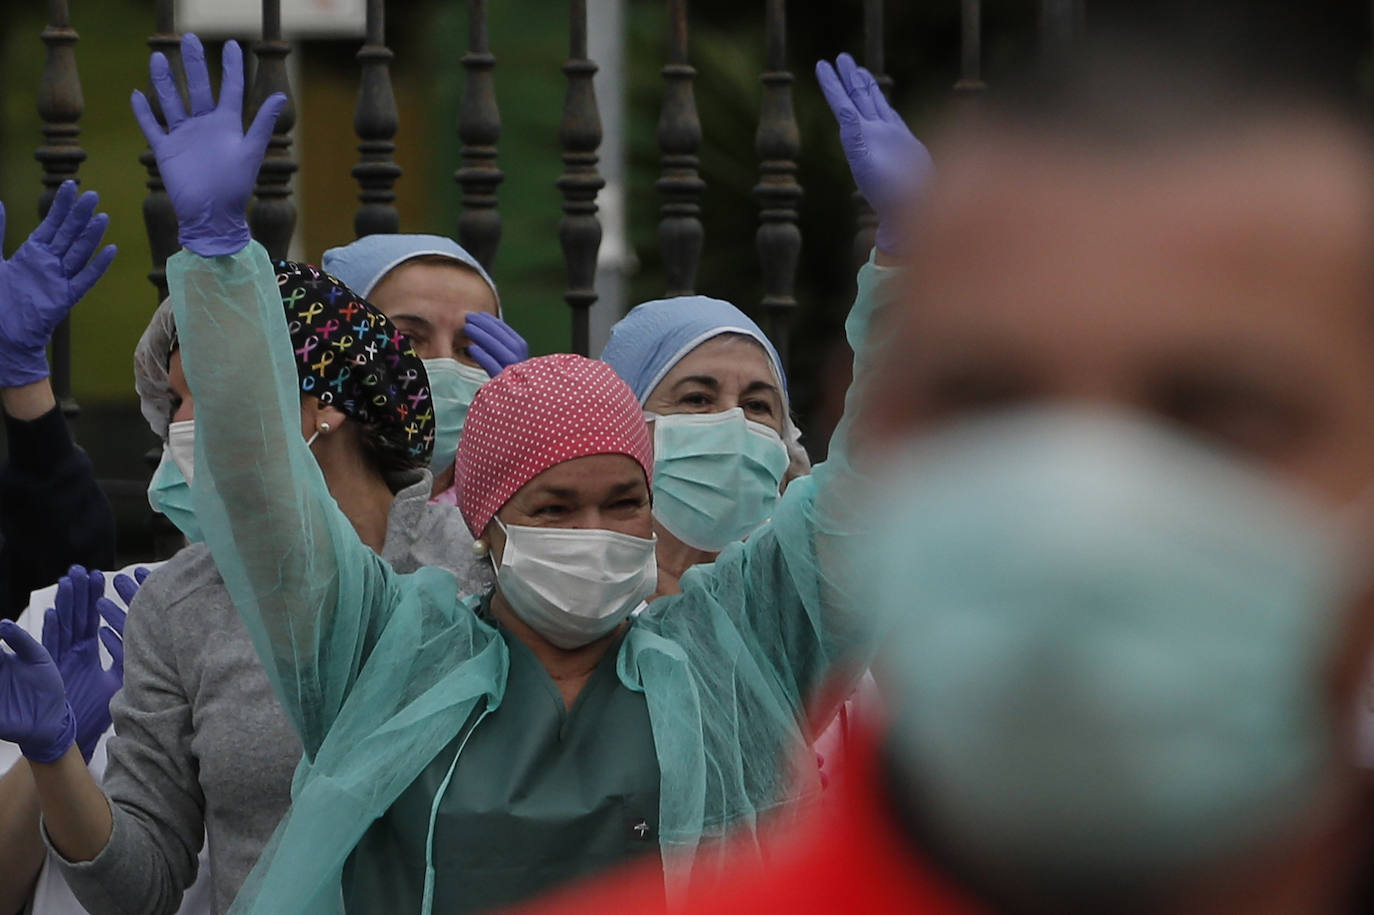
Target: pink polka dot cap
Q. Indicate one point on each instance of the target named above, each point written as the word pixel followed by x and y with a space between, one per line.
pixel 539 413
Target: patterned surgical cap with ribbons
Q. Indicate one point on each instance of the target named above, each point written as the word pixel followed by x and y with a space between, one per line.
pixel 350 356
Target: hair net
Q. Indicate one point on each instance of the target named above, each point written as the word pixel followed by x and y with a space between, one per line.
pixel 539 413
pixel 151 359
pixel 655 336
pixel 363 263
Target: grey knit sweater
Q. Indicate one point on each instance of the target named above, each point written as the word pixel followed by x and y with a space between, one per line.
pixel 202 749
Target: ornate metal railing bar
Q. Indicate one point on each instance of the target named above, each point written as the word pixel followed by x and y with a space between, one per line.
pixel 272 215
pixel 970 47
pixel 680 234
pixel 60 104
pixel 873 60
pixel 778 143
pixel 159 218
pixel 579 135
pixel 479 128
pixel 375 122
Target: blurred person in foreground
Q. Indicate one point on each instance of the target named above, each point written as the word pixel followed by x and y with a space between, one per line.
pixel 1124 523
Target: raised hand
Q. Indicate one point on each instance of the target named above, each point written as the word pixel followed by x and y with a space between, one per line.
pixel 206 159
pixel 72 636
pixel 33 706
pixel 44 278
pixel 495 344
pixel 888 163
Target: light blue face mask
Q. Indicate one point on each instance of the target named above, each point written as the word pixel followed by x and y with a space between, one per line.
pixel 1104 644
pixel 451 386
pixel 716 476
pixel 169 494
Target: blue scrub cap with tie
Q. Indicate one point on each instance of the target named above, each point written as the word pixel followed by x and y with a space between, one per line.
pixel 362 264
pixel 655 336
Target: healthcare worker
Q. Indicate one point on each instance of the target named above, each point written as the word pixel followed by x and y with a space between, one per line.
pixel 52 513
pixel 713 391
pixel 1125 529
pixel 443 300
pixel 420 788
pixel 205 754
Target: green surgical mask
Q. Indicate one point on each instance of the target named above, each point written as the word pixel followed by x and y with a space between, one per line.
pixel 1105 646
pixel 452 386
pixel 716 476
pixel 169 494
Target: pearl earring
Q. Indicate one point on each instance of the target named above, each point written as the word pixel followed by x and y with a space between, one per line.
pixel 325 428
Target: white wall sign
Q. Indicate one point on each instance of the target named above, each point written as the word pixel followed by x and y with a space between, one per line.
pixel 299 18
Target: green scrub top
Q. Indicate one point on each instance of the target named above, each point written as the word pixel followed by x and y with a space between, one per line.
pixel 541 794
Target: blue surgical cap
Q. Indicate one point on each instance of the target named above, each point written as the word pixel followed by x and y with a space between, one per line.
pixel 363 263
pixel 651 339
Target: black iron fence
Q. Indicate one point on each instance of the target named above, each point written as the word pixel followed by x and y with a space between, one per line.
pixel 681 237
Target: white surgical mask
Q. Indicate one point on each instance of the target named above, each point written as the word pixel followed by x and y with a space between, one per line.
pixel 571 585
pixel 452 385
pixel 716 476
pixel 181 445
pixel 1106 643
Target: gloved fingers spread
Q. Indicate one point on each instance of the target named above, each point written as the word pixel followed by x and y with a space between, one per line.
pixel 503 331
pixel 127 587
pixel 112 614
pixel 165 85
pixel 64 610
pixel 57 213
pixel 490 346
pixel 51 636
pixel 85 244
pixel 260 131
pixel 81 604
pixel 198 90
pixel 854 86
pixel 490 364
pixel 231 79
pixel 141 574
pixel 147 121
pixel 21 643
pixel 115 646
pixel 88 277
pixel 95 592
pixel 77 219
pixel 835 95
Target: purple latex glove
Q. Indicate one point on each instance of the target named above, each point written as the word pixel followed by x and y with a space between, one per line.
pixel 889 164
pixel 495 344
pixel 44 278
pixel 33 706
pixel 72 635
pixel 206 160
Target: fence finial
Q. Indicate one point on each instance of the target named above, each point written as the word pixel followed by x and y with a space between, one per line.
pixel 375 121
pixel 60 104
pixel 778 143
pixel 479 128
pixel 579 134
pixel 680 233
pixel 272 215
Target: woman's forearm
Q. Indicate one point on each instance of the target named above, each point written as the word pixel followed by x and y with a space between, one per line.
pixel 75 811
pixel 21 845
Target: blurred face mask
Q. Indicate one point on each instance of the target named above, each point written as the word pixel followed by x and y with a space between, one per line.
pixel 1105 644
pixel 451 386
pixel 169 494
pixel 573 586
pixel 716 476
pixel 181 445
